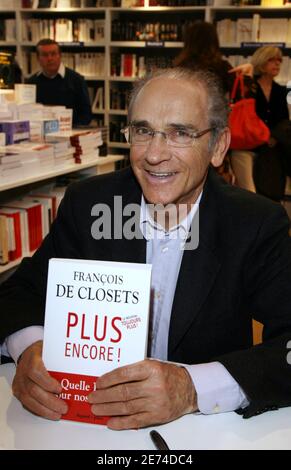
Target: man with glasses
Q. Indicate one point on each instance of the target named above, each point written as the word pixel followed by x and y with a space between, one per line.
pixel 60 85
pixel 203 297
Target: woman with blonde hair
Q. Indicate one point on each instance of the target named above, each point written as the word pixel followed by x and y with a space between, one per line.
pixel 271 107
pixel 271 104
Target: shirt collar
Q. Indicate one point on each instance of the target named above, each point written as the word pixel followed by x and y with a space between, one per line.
pixel 149 227
pixel 61 71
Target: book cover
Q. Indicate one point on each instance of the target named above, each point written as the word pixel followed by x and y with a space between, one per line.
pixel 25 93
pixel 16 131
pixel 96 320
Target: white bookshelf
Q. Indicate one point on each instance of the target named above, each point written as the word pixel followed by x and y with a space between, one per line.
pixel 102 165
pixel 220 9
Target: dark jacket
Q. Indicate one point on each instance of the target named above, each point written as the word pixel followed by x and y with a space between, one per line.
pixel 272 164
pixel 240 270
pixel 70 91
pixel 274 110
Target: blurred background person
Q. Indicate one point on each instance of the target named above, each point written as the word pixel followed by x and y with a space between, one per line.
pixel 201 49
pixel 59 85
pixel 271 107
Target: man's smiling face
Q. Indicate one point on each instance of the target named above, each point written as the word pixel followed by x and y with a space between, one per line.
pixel 169 174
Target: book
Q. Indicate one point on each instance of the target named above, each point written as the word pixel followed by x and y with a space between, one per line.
pixel 41 127
pixel 34 220
pixel 25 93
pixel 96 319
pixel 4 252
pixel 14 214
pixel 16 131
pixel 65 118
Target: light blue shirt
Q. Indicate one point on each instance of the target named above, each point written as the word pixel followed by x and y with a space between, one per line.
pixel 164 252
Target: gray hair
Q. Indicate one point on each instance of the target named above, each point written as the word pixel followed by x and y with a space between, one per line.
pixel 217 106
pixel 261 57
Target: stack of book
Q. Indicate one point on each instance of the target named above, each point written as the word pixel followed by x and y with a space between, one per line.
pixel 86 143
pixel 25 227
pixel 40 128
pixel 25 159
pixel 35 112
pixel 18 108
pixel 25 222
pixel 63 152
pixel 15 131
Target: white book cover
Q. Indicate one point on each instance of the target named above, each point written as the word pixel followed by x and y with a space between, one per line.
pixel 96 320
pixel 25 93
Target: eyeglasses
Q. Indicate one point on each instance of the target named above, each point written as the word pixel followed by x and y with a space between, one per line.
pixel 176 137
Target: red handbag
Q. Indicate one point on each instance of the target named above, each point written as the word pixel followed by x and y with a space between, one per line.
pixel 247 129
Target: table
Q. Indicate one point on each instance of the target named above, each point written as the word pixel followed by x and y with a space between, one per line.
pixel 19 429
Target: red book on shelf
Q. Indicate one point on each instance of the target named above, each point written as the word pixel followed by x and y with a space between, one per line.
pixel 127 65
pixel 53 203
pixel 34 216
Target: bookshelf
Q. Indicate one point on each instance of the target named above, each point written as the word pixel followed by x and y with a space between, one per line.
pixel 100 164
pixel 140 38
pixel 12 264
pixel 118 49
pixel 8 38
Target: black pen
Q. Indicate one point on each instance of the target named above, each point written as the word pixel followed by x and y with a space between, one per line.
pixel 159 441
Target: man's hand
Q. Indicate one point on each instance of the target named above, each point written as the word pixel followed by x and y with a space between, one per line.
pixel 35 388
pixel 142 394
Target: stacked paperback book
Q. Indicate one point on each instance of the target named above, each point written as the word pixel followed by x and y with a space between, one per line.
pixel 25 159
pixel 86 143
pixel 19 105
pixel 35 139
pixel 63 152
